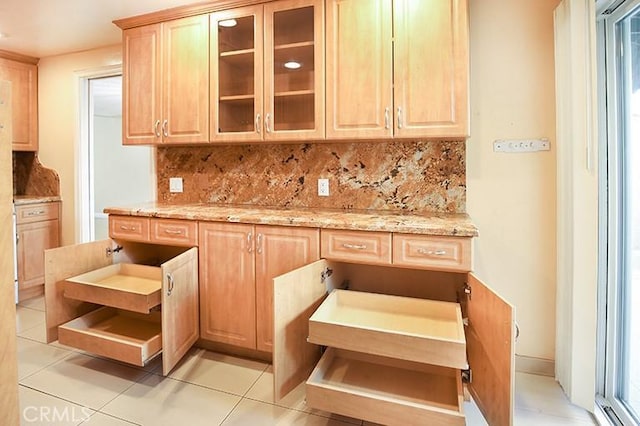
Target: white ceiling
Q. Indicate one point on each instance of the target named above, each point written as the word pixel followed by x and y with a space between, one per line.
pixel 43 28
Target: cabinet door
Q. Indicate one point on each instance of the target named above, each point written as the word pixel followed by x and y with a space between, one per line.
pixel 24 104
pixel 180 317
pixel 185 80
pixel 431 68
pixel 278 250
pixel 236 74
pixel 294 70
pixel 491 352
pixel 359 69
pixel 141 85
pixel 33 239
pixel 227 284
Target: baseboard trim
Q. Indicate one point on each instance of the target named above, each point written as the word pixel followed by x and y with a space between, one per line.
pixel 539 366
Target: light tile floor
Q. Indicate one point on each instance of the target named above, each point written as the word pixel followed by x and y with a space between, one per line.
pixel 61 386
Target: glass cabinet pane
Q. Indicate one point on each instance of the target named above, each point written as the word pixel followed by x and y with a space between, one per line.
pixel 294 67
pixel 236 79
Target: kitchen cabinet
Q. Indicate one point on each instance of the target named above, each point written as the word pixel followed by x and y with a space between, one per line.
pixel 124 300
pixel 38 229
pixel 267 72
pixel 401 348
pixel 397 68
pixel 237 265
pixel 166 82
pixel 24 88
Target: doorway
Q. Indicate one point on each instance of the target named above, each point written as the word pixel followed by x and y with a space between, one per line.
pixel 110 174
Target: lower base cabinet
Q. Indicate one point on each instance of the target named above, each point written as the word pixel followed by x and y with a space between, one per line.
pixel 396 343
pixel 127 301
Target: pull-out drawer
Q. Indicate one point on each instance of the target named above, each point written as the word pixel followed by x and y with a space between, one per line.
pixel 174 232
pixel 123 285
pixel 356 246
pixel 437 253
pixel 37 212
pixel 130 228
pixel 115 334
pixel 385 390
pixel 420 330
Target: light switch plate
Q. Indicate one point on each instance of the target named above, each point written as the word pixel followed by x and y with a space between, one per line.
pixel 175 184
pixel 521 145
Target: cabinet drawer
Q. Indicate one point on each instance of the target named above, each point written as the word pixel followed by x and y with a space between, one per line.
pixel 384 390
pixel 37 212
pixel 356 246
pixel 129 228
pixel 127 286
pixel 174 232
pixel 407 328
pixel 115 334
pixel 441 253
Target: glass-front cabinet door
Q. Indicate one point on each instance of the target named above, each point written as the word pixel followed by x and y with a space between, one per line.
pixel 294 70
pixel 236 75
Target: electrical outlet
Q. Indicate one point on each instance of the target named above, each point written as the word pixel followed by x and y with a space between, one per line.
pixel 175 184
pixel 521 145
pixel 323 187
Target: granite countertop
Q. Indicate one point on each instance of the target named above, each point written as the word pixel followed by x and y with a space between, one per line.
pixel 459 225
pixel 21 200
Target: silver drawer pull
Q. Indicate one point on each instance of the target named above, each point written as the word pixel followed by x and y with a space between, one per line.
pixel 173 231
pixel 432 252
pixel 354 246
pixel 35 213
pixel 127 228
pixel 170 284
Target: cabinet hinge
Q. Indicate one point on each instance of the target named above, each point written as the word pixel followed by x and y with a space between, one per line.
pixel 110 250
pixel 325 274
pixel 467 290
pixel 465 321
pixel 467 375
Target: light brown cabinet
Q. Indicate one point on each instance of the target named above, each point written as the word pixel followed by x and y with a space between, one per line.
pixel 24 88
pixel 166 82
pixel 397 68
pixel 267 72
pixel 237 265
pixel 38 229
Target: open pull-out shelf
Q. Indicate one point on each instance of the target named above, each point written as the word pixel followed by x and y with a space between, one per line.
pixel 116 334
pixel 127 286
pixel 385 390
pixel 419 330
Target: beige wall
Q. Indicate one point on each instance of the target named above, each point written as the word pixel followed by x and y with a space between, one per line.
pixel 511 197
pixel 58 97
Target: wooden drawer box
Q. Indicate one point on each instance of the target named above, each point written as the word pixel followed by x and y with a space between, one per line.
pixel 130 228
pixel 420 330
pixel 126 286
pixel 37 212
pixel 436 253
pixel 174 232
pixel 384 390
pixel 115 334
pixel 356 246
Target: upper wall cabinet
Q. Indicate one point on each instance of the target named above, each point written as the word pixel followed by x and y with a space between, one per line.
pixel 397 68
pixel 166 82
pixel 267 72
pixel 24 88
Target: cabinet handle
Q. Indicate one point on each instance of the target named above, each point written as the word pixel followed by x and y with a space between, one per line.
pixel 173 231
pixel 127 228
pixel 259 244
pixel 156 128
pixel 35 213
pixel 165 128
pixel 399 117
pixel 386 118
pixel 432 252
pixel 170 286
pixel 267 122
pixel 249 244
pixel 258 123
pixel 354 246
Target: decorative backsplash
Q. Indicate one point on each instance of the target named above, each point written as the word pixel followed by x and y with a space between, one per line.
pixel 30 177
pixel 399 175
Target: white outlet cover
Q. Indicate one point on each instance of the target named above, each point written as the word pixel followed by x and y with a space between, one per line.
pixel 323 187
pixel 175 184
pixel 521 145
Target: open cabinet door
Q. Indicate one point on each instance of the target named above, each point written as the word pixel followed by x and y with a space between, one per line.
pixel 296 295
pixel 180 317
pixel 65 262
pixel 490 350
